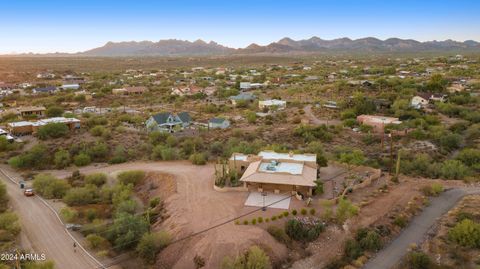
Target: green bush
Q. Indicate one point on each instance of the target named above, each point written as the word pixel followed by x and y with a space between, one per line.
pixel 352 249
pixel 245 222
pixel 97 179
pixel 369 240
pixel 9 225
pixel 131 177
pixel 198 158
pixel 312 211
pixel 81 196
pixel 274 218
pixel 432 190
pixel 300 231
pixel 96 241
pixel 82 159
pixel 345 210
pixel 454 169
pixel 37 157
pixel 419 260
pixel 279 234
pixel 68 214
pixel 54 111
pixel 151 244
pixel 254 221
pixel 303 211
pixel 254 258
pixel 62 159
pixel 466 233
pixel 260 220
pixel 286 213
pixel 126 229
pixel 294 212
pixel 53 130
pixel 50 187
pixel 400 221
pixel 98 130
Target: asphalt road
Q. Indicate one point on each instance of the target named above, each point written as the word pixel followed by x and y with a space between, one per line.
pixel 417 229
pixel 44 232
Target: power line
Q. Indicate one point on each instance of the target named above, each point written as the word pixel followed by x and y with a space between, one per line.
pixel 207 229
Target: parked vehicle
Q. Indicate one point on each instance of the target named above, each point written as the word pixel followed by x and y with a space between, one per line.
pixel 28 192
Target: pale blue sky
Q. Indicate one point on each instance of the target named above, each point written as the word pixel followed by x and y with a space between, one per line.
pixel 71 26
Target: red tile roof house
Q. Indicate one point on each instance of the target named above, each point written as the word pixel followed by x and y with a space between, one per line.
pixel 186 90
pixel 377 122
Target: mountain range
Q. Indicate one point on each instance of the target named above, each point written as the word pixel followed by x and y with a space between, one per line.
pixel 174 47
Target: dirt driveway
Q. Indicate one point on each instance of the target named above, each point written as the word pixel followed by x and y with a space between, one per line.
pixel 194 207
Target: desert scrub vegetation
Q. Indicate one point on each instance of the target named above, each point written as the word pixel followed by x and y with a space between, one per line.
pixel 254 257
pixel 150 244
pixel 50 187
pixel 304 229
pixel 466 233
pixel 131 177
pixel 433 189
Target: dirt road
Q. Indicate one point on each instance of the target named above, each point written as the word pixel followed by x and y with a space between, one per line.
pixel 317 121
pixel 43 232
pixel 417 229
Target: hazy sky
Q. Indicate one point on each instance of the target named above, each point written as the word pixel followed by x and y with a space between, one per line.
pixel 71 26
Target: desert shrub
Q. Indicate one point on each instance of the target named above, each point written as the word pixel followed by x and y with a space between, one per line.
pixel 49 186
pixel 345 210
pixel 418 260
pixel 96 241
pixel 151 244
pixel 352 249
pixel 9 223
pixel 454 169
pixel 294 212
pixel 82 159
pixel 303 231
pixel 81 195
pixel 369 239
pixel 400 221
pixel 286 213
pixel 97 179
pixel 245 222
pixel 432 190
pixel 54 111
pixel 126 229
pixel 53 130
pixel 98 151
pixel 260 220
pixel 198 261
pixel 254 221
pixel 279 234
pixel 274 218
pixel 161 152
pixel 62 159
pixel 303 211
pixel 255 257
pixel 198 158
pixel 131 177
pixel 312 211
pixel 98 130
pixel 68 214
pixel 37 157
pixel 466 233
pixel 154 202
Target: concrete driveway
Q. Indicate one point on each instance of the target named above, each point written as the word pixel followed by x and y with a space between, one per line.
pixel 280 201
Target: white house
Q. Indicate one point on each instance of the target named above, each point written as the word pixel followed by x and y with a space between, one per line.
pixel 218 123
pixel 279 104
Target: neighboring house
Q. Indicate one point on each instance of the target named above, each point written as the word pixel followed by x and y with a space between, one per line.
pixel 130 90
pixel 423 99
pixel 71 79
pixel 45 75
pixel 31 127
pixel 250 85
pixel 49 89
pixel 273 103
pixel 218 123
pixel 246 97
pixel 377 122
pixel 26 111
pixel 70 87
pixel 186 90
pixel 331 105
pixel 168 122
pixel 270 171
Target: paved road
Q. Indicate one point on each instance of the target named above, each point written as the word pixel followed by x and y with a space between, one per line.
pixel 317 121
pixel 417 229
pixel 44 232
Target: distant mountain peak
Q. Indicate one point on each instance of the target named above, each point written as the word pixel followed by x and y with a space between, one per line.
pixel 178 47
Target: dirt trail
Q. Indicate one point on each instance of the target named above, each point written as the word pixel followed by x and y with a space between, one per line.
pixel 311 116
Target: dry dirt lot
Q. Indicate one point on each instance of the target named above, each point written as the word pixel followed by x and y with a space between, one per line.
pixel 193 207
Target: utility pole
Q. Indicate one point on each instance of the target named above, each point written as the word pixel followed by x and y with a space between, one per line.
pixel 391 152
